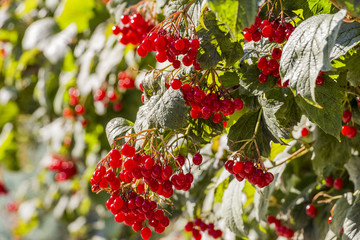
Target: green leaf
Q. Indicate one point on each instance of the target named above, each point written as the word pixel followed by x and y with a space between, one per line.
pixel 352 222
pixel 258 49
pixel 78 12
pixel 330 97
pixel 232 207
pixel 353 168
pixel 220 190
pixel 216 44
pixel 348 37
pixel 194 11
pixel 308 51
pixel 167 110
pixel 8 113
pixel 342 206
pixel 351 6
pixel 244 129
pixel 250 84
pixel 329 151
pixel 236 14
pixel 352 64
pixel 117 127
pixel 270 107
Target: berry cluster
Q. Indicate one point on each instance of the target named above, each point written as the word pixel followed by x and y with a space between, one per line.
pixel 3 189
pixel 134 29
pixel 338 183
pixel 346 130
pixel 126 81
pixel 310 210
pixel 170 48
pixel 76 109
pixel 247 170
pixel 273 30
pixel 199 226
pixel 281 230
pixel 270 66
pixel 134 209
pixel 208 105
pixel 137 176
pixel 277 32
pixel 65 169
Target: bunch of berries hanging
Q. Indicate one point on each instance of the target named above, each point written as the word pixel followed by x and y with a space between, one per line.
pixel 132 29
pixel 169 45
pixel 248 170
pixel 65 169
pixel 140 182
pixel 198 226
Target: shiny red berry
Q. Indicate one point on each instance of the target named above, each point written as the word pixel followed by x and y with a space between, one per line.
pixel 311 211
pixel 338 183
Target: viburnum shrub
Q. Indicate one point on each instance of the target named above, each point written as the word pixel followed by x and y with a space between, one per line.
pixel 222 105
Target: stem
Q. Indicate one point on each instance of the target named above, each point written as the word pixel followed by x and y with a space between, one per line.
pixel 300 152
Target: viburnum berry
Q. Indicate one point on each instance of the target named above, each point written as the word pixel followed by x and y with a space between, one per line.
pixel 146 233
pixel 176 84
pixel 80 109
pixel 319 80
pixel 127 150
pixel 116 30
pixel 346 117
pixel 311 211
pixel 330 219
pixel 329 181
pixel 276 53
pixel 267 31
pixel 197 159
pixel 338 183
pixel 304 132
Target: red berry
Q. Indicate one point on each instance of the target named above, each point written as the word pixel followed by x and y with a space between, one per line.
pixel 179 45
pixel 329 181
pixel 116 29
pixel 161 56
pixel 267 31
pixel 238 103
pixel 338 183
pixel 176 84
pixel 145 233
pixel 194 44
pixel 127 150
pixel 319 81
pixel 330 219
pixel 276 53
pixel 247 36
pixel 262 63
pixel 125 19
pixel 216 118
pixel 67 112
pixel 304 132
pixel 189 227
pixel 141 51
pixel 100 95
pixel 256 36
pixel 197 159
pixel 271 219
pixel 311 211
pixel 262 78
pixel 352 132
pixel 346 116
pixel 176 64
pixel 80 109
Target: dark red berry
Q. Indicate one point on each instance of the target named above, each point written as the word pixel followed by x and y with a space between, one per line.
pixel 145 233
pixel 197 159
pixel 311 211
pixel 319 81
pixel 338 183
pixel 176 84
pixel 346 117
pixel 329 181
